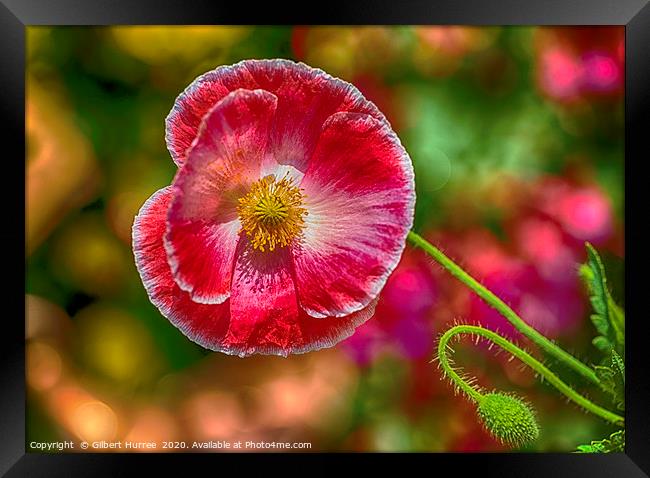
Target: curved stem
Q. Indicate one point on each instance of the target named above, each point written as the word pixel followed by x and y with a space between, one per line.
pixel 527 359
pixel 443 358
pixel 501 307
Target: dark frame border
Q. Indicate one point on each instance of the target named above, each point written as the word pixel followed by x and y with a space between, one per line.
pixel 16 14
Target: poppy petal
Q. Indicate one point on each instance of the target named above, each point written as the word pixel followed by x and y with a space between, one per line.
pixel 326 332
pixel 263 299
pixel 209 325
pixel 265 314
pixel 201 323
pixel 203 226
pixel 306 98
pixel 360 197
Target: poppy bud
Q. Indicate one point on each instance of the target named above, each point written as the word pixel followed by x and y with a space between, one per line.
pixel 508 418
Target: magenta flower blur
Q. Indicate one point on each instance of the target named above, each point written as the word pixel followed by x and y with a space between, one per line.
pixel 582 212
pixel 288 212
pixel 402 323
pixel 574 64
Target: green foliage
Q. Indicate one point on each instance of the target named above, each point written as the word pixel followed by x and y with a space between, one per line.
pixel 508 418
pixel 615 443
pixel 609 320
pixel 608 317
pixel 612 379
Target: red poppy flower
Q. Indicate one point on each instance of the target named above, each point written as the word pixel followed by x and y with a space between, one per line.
pixel 289 210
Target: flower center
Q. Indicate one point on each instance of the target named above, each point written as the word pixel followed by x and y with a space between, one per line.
pixel 271 213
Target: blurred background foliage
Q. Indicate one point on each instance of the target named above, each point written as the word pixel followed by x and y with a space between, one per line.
pixel 516 135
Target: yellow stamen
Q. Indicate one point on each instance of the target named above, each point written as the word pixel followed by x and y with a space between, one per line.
pixel 271 213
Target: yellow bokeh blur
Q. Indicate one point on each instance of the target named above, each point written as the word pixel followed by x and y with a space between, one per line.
pixel 164 44
pixel 114 344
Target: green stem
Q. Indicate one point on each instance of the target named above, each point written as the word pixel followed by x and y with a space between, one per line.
pixel 443 358
pixel 501 307
pixel 527 359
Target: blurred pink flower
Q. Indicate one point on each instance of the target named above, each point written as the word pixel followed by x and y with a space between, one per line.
pixel 521 276
pixel 365 345
pixel 576 63
pixel 560 74
pixel 543 243
pixel 552 307
pixel 402 321
pixel 584 212
pixel 602 72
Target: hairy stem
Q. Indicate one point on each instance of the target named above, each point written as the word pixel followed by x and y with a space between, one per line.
pixel 540 340
pixel 527 359
pixel 460 382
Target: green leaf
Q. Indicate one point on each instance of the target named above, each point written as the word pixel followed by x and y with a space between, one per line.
pixel 602 344
pixel 612 379
pixel 615 443
pixel 608 317
pixel 601 324
pixel 618 365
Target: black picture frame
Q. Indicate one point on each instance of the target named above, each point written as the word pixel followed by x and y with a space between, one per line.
pixel 15 15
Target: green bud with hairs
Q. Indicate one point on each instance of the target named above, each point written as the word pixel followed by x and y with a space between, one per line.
pixel 508 418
